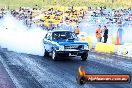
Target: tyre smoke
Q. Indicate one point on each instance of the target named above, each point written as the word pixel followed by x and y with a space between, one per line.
pixel 15 36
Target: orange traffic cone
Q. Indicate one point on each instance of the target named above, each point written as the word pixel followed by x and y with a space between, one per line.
pixel 117 40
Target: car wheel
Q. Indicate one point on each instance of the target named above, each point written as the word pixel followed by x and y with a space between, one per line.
pixel 46 54
pixel 84 56
pixel 54 55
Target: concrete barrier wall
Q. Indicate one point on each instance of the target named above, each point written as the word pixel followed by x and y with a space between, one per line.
pixel 104 47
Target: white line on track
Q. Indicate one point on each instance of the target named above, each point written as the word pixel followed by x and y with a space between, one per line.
pixel 15 81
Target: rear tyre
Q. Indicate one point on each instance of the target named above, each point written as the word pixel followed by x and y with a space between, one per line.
pixel 54 55
pixel 84 56
pixel 46 54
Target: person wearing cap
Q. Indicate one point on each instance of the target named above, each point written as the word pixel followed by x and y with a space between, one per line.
pixel 105 34
pixel 98 34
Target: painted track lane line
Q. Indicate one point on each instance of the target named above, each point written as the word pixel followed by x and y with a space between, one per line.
pixel 15 81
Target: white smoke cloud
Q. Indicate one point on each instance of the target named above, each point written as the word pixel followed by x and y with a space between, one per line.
pixel 15 36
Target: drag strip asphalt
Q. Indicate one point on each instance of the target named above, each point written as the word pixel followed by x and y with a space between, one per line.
pixel 30 71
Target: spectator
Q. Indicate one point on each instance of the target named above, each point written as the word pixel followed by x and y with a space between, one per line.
pixel 98 34
pixel 77 31
pixel 105 34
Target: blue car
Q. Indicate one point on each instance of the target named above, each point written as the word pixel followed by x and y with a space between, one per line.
pixel 64 43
